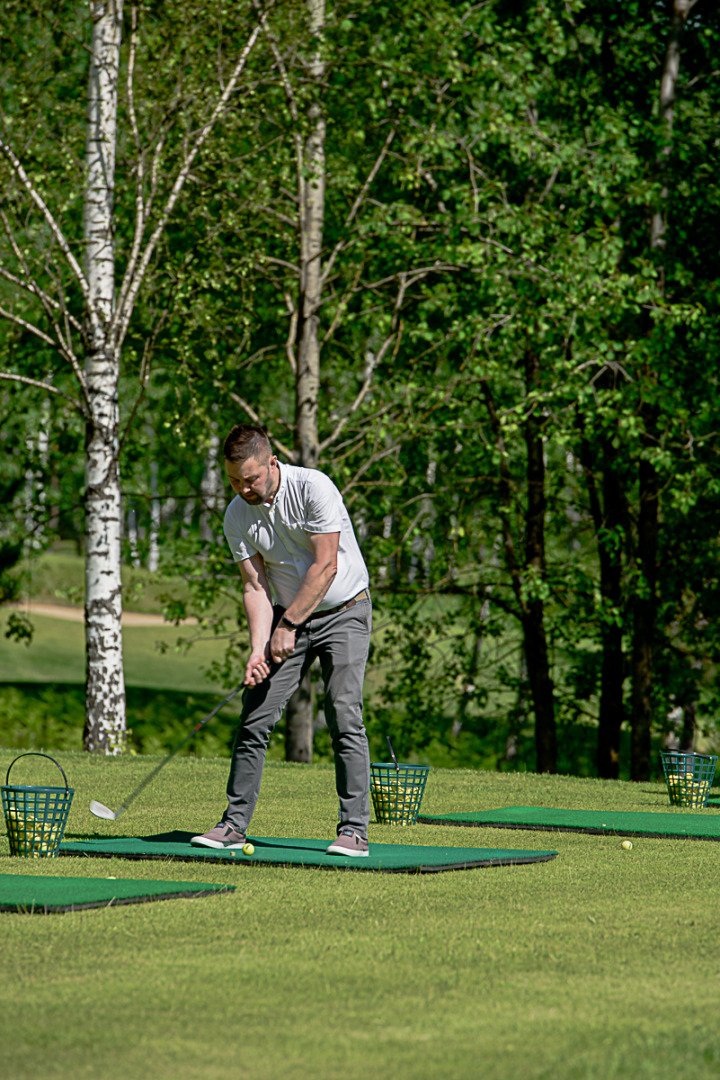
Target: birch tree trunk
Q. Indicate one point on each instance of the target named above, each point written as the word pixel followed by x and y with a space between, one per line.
pixel 153 559
pixel 210 489
pixel 311 202
pixel 105 726
pixel 103 321
pixel 311 193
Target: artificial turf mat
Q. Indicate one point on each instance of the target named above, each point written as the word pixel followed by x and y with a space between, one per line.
pixel 387 858
pixel 35 895
pixel 699 825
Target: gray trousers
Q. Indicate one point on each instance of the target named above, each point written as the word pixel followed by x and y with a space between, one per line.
pixel 341 643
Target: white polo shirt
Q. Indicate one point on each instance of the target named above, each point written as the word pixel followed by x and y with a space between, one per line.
pixel 307 502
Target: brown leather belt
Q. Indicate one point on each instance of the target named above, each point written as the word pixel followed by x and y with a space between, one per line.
pixel 364 595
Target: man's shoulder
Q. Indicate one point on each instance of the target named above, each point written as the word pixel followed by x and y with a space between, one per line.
pixel 300 477
pixel 236 510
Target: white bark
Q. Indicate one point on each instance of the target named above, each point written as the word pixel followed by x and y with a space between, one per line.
pixel 132 537
pixel 104 324
pixel 311 191
pixel 187 518
pixel 305 317
pixel 668 92
pixel 153 560
pixel 105 723
pixel 210 488
pixel 35 494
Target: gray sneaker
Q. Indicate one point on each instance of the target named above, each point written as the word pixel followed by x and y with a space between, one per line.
pixel 349 843
pixel 222 836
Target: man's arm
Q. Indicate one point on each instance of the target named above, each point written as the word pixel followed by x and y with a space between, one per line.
pixel 257 603
pixel 315 584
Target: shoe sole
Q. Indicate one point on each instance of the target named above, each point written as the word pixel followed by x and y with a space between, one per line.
pixel 200 841
pixel 344 851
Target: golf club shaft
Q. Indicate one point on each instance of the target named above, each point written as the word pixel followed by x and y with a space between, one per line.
pixel 151 776
pixel 392 754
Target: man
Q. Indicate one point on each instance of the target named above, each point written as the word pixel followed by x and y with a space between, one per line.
pixel 305 595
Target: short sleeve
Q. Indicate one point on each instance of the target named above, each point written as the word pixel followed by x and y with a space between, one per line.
pixel 238 542
pixel 323 506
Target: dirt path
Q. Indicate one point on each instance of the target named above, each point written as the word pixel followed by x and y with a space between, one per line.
pixel 76 614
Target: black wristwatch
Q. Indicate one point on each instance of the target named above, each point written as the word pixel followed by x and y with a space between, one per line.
pixel 290 623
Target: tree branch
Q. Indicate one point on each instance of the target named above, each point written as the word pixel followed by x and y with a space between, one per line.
pixel 135 272
pixel 340 307
pixel 55 229
pixel 287 451
pixel 32 287
pixel 359 200
pixel 140 209
pixel 5 314
pixel 287 87
pixel 63 342
pixel 10 377
pixel 144 375
pixel 373 363
pixel 292 332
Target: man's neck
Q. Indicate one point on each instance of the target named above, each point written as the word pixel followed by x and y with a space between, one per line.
pixel 269 501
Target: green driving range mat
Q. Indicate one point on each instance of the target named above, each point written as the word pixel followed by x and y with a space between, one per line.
pixel 699 825
pixel 388 858
pixel 34 895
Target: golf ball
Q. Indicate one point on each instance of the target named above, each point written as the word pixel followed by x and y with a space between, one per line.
pixel 627 844
pixel 248 849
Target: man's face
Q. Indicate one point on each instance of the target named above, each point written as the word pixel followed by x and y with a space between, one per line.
pixel 252 480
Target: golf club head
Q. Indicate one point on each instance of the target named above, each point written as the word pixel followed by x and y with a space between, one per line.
pixel 99 810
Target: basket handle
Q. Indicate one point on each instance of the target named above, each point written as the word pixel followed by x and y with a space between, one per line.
pixel 36 753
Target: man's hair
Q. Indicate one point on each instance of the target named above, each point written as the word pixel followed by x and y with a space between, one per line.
pixel 246 441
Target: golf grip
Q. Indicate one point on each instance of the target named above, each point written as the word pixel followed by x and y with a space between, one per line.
pixel 133 795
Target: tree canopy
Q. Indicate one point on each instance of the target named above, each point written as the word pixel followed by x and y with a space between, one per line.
pixel 464 261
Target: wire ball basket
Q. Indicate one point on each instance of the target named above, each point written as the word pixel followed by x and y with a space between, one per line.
pixel 35 816
pixel 688 776
pixel 397 791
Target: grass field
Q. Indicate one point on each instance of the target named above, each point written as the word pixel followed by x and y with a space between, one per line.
pixel 152 656
pixel 42 688
pixel 600 964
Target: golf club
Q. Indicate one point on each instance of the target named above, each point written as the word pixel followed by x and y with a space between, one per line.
pixel 392 754
pixel 101 811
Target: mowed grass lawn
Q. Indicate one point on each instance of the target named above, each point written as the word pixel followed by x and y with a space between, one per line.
pixel 602 963
pixel 154 656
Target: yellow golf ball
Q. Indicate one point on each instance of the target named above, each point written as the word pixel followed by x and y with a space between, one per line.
pixel 627 844
pixel 248 849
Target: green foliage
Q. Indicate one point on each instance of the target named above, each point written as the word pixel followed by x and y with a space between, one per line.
pixel 490 175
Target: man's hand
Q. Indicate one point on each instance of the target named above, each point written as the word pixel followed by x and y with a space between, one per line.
pixel 282 643
pixel 257 668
